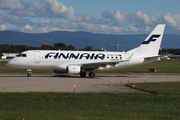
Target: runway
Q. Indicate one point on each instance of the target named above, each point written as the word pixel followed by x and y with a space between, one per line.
pixel 64 83
pixel 4 60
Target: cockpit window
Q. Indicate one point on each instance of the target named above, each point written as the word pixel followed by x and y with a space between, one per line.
pixel 21 55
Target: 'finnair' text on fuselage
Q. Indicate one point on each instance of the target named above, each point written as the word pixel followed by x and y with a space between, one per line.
pixel 76 56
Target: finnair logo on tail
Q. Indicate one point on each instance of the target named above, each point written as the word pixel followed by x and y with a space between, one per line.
pixel 152 38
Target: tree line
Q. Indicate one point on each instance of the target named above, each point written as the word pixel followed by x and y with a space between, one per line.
pixel 20 48
pixel 170 51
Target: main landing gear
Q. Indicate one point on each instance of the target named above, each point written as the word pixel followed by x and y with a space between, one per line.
pixel 29 74
pixel 83 74
pixel 91 74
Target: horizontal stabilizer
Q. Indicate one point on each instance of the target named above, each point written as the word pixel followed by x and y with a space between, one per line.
pixel 158 56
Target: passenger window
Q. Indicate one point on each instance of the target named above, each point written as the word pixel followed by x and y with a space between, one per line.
pixel 23 55
pixel 107 57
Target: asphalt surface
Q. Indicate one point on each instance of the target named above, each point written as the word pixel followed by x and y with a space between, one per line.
pixel 65 83
pixel 4 59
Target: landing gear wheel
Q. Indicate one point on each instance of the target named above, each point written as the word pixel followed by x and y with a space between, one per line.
pixel 91 75
pixel 83 74
pixel 29 75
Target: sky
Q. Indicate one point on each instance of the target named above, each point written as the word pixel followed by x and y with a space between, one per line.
pixel 119 17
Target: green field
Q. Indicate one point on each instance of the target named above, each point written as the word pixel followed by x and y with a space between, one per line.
pixel 90 106
pixel 163 66
pixel 162 103
pixel 164 88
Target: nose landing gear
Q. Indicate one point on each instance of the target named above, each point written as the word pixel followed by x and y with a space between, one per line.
pixel 29 74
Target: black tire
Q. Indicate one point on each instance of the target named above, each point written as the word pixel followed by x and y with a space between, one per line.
pixel 91 75
pixel 29 75
pixel 83 74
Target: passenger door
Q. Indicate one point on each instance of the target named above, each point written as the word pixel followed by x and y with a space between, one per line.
pixel 37 57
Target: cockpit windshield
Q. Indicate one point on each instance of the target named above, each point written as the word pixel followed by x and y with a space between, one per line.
pixel 21 55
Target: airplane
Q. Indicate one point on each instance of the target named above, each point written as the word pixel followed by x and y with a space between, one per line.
pixel 79 62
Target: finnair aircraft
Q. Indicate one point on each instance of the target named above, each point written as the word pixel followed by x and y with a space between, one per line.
pixel 79 62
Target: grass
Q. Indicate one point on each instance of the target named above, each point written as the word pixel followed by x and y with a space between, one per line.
pixel 67 106
pixel 55 106
pixel 163 66
pixel 165 88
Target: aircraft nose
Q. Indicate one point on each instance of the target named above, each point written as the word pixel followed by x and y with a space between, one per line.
pixel 10 62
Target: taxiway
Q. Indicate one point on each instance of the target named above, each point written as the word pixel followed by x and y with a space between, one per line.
pixel 65 83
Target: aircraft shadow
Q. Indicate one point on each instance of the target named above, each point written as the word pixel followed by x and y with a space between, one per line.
pixel 97 76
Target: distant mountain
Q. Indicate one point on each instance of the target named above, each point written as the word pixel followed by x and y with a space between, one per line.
pixel 82 39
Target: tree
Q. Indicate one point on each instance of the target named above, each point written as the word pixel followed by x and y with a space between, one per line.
pixel 88 48
pixel 59 45
pixel 70 47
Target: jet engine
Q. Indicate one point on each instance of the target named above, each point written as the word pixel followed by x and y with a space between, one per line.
pixel 73 69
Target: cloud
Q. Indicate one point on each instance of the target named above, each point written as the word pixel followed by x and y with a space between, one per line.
pixel 15 20
pixel 53 25
pixel 139 17
pixel 11 5
pixel 3 27
pixel 26 28
pixel 48 8
pixel 115 15
pixel 54 8
pixel 172 20
pixel 133 28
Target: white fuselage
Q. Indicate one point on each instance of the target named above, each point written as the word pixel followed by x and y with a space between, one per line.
pixel 55 59
pixel 59 60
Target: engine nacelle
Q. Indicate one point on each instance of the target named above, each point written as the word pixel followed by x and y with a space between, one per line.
pixel 73 69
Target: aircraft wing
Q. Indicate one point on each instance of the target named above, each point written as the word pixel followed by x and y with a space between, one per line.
pixel 102 64
pixel 99 64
